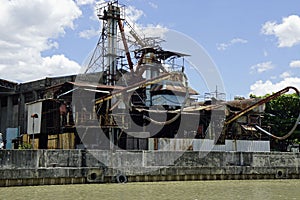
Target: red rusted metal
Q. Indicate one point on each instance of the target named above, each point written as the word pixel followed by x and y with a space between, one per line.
pixel 125 45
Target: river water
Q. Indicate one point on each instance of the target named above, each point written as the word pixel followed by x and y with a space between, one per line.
pixel 190 190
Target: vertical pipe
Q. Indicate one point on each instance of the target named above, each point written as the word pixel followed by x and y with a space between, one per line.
pixel 114 14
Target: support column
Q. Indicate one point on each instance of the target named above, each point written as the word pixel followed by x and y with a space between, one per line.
pixel 22 119
pixel 1 126
pixel 35 95
pixel 9 112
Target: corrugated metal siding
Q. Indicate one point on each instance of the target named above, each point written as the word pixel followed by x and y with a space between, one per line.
pixel 203 145
pixel 166 144
pixel 252 146
pixel 229 145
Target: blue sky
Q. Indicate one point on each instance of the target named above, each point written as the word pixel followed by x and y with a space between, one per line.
pixel 254 44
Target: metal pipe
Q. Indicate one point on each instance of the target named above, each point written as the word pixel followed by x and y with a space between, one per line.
pixel 282 137
pixel 267 99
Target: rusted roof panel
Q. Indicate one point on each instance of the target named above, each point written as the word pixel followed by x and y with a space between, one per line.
pixel 174 88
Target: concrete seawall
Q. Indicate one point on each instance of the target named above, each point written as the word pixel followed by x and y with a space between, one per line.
pixel 41 167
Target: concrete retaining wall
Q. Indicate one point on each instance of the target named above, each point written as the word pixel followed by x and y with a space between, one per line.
pixel 39 167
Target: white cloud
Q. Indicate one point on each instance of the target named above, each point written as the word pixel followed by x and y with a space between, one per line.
pixel 224 46
pixel 285 75
pixel 59 64
pixel 133 15
pixel 155 30
pixel 84 2
pixel 295 64
pixel 89 33
pixel 27 28
pixel 95 6
pixel 261 88
pixel 153 5
pixel 238 40
pixel 55 65
pixel 287 33
pixel 262 67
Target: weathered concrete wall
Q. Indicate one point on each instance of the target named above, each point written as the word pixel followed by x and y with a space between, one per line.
pixel 34 167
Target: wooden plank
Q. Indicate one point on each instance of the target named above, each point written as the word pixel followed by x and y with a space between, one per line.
pixel 52 142
pixel 67 141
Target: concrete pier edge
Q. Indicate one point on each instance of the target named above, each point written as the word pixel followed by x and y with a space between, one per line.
pixel 53 167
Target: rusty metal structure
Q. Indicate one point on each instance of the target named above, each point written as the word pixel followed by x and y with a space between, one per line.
pixel 144 84
pixel 254 121
pixel 132 93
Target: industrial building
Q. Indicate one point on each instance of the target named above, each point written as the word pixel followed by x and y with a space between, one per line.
pixel 15 97
pixel 133 95
pixel 44 115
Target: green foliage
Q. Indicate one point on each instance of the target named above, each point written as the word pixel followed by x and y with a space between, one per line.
pixel 280 115
pixel 25 145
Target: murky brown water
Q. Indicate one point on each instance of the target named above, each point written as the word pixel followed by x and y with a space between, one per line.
pixel 191 190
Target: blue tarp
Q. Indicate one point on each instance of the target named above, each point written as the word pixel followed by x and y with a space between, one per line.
pixel 11 133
